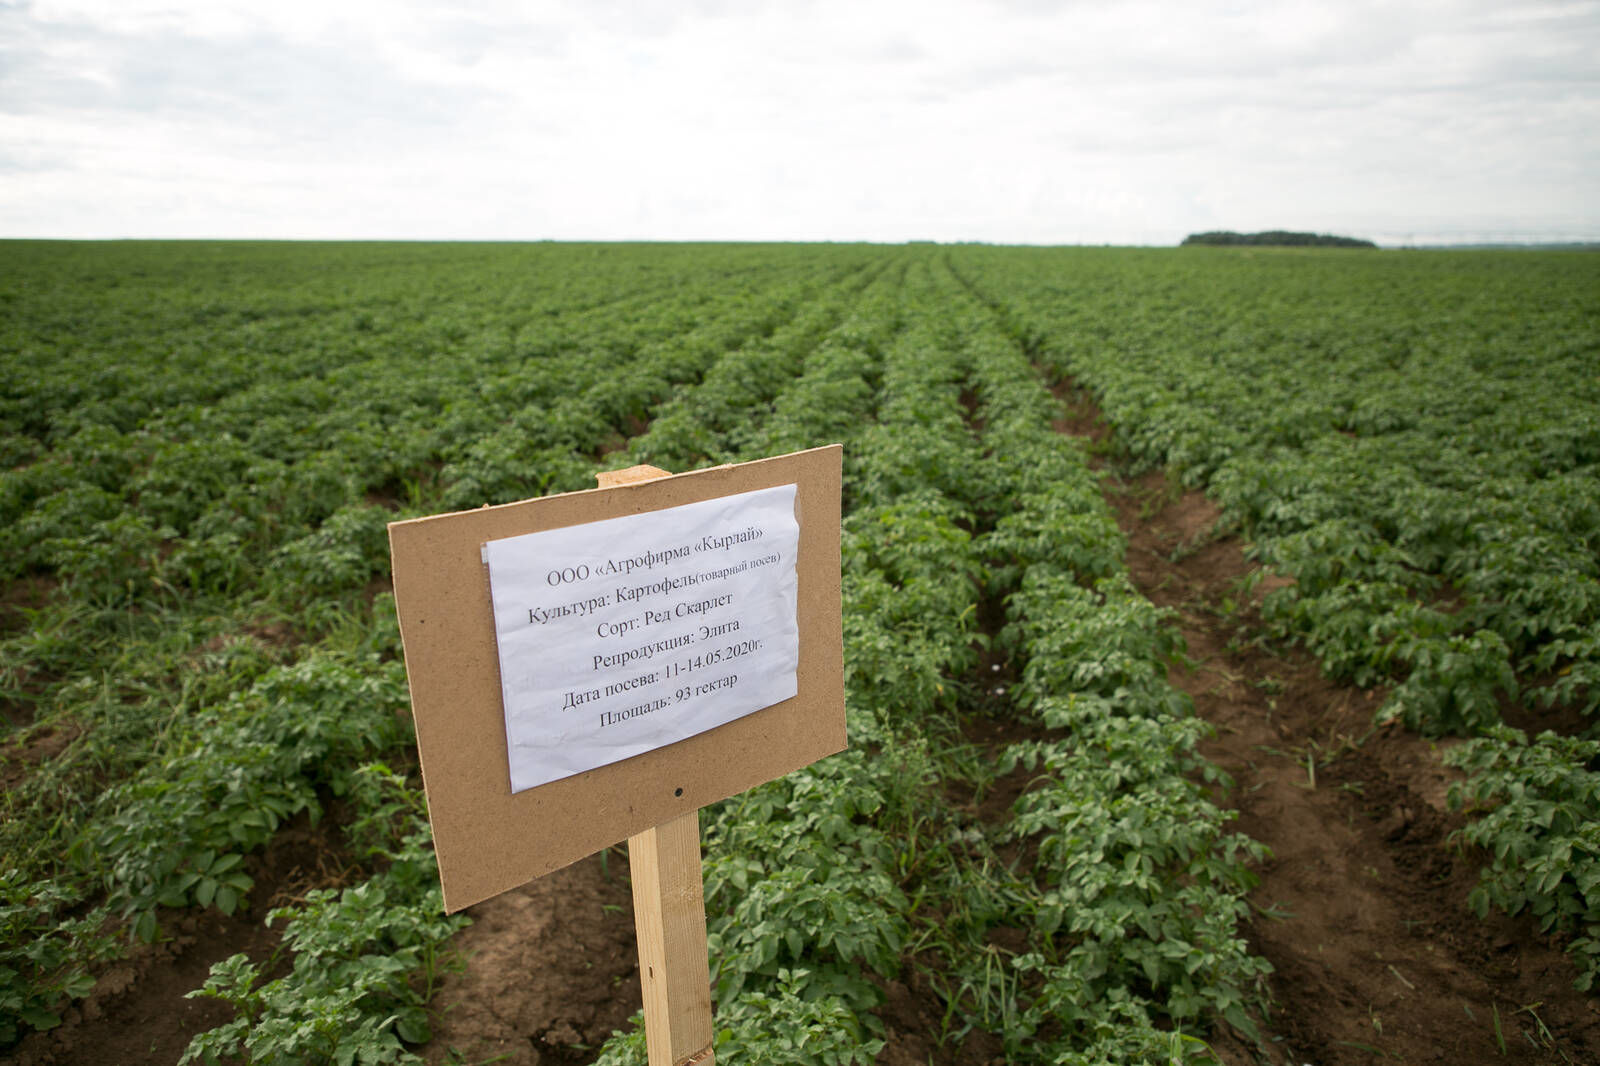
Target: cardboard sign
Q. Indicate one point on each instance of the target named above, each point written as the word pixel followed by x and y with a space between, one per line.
pixel 490 838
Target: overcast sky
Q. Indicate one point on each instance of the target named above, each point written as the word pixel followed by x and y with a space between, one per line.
pixel 1017 122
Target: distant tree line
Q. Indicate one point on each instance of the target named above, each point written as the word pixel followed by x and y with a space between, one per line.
pixel 1277 237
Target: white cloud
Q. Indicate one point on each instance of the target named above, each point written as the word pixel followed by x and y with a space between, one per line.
pixel 826 120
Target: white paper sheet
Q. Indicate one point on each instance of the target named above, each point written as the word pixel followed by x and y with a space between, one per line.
pixel 622 636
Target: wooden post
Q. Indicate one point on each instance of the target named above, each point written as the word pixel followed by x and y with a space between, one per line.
pixel 669 915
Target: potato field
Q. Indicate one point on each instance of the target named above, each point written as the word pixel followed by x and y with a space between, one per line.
pixel 1222 649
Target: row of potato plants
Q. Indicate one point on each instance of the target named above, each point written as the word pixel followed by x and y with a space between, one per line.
pixel 1134 895
pixel 1143 887
pixel 179 525
pixel 816 878
pixel 1415 441
pixel 801 898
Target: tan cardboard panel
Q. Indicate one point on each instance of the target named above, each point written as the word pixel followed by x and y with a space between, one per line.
pixel 489 840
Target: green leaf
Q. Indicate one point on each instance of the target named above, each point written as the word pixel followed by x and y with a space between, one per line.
pixel 412 1025
pixel 144 927
pixel 40 1018
pixel 227 899
pixel 224 864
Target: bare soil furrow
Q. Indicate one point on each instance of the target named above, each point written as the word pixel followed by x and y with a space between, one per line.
pixel 551 971
pixel 1362 910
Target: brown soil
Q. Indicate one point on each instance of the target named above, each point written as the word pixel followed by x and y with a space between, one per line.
pixel 632 426
pixel 919 1027
pixel 913 1015
pixel 274 635
pixel 138 1013
pixel 21 596
pixel 17 600
pixel 1362 911
pixel 551 971
pixel 392 494
pixel 27 749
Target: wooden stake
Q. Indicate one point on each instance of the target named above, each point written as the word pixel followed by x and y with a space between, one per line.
pixel 669 915
pixel 610 479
